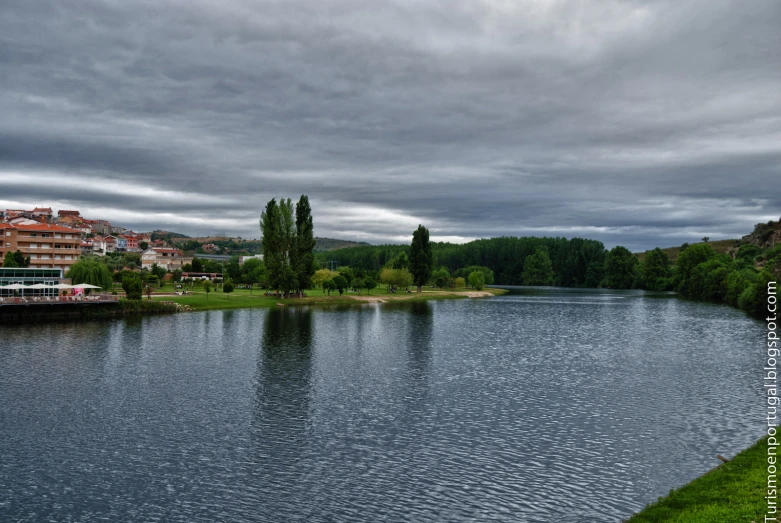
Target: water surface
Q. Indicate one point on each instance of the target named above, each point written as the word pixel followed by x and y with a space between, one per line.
pixel 544 405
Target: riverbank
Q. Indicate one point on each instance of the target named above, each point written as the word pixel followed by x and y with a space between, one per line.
pixel 733 492
pixel 33 312
pixel 242 299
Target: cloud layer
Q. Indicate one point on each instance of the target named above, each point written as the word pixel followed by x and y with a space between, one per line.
pixel 636 123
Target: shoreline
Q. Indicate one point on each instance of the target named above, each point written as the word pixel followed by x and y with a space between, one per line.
pixel 730 492
pixel 199 301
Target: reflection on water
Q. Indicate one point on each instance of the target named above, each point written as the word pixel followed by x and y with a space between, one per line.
pixel 543 405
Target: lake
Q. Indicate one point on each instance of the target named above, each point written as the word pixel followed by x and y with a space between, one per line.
pixel 541 405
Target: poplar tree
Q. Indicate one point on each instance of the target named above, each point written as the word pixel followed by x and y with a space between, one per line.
pixel 270 226
pixel 288 244
pixel 420 259
pixel 305 244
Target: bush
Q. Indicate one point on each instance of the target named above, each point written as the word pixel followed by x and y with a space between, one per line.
pixel 131 283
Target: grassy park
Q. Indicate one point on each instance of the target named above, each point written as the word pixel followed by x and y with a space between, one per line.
pixel 243 299
pixel 733 492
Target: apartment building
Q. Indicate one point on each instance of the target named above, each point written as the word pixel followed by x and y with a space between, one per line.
pixel 48 246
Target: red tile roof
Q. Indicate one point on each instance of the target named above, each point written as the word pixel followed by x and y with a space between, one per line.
pixel 45 227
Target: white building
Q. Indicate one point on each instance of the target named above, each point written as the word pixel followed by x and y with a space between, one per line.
pixel 170 259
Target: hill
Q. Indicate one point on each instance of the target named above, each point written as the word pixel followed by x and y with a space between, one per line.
pixel 765 235
pixel 330 244
pixel 718 245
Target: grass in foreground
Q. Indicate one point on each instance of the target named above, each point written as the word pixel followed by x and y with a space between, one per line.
pixel 731 493
pixel 241 298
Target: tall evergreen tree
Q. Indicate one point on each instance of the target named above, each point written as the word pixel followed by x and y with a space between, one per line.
pixel 270 226
pixel 305 244
pixel 421 261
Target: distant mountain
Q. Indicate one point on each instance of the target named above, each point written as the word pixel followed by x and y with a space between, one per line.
pixel 330 244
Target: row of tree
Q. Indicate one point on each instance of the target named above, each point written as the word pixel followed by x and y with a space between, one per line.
pixel 287 244
pixel 575 262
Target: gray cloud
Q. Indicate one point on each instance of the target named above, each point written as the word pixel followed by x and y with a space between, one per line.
pixel 639 123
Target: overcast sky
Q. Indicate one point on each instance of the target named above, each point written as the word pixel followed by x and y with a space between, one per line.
pixel 639 123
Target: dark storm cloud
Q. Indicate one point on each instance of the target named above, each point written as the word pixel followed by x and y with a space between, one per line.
pixel 630 122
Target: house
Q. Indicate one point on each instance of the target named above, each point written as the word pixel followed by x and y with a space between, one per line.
pixel 101 227
pixel 166 257
pixel 104 244
pixel 87 246
pixel 42 214
pixel 48 246
pixel 69 218
pixel 132 242
pixel 121 243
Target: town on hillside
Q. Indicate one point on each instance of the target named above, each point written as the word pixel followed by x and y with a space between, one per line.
pixel 49 240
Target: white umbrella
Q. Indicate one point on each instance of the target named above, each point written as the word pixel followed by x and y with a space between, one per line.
pixel 16 286
pixel 39 286
pixel 86 286
pixel 62 286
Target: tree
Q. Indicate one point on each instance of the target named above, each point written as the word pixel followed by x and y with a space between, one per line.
pixel 91 271
pixel 253 271
pixel 400 261
pixel 304 244
pixel 144 245
pixel 207 288
pixel 322 276
pixel 131 284
pixel 460 283
pixel 687 261
pixel 277 243
pixel 656 270
pixel 16 259
pixel 197 265
pixel 538 269
pixel 177 274
pixel 705 239
pixel 341 284
pixel 477 280
pixel 158 271
pixel 329 285
pixel 396 278
pixel 420 260
pixel 227 288
pixel 370 284
pixel 441 278
pixel 358 284
pixel 233 268
pixel 620 268
pixel 488 274
pixel 346 273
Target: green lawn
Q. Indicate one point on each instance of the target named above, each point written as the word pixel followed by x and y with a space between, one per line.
pixel 241 298
pixel 731 493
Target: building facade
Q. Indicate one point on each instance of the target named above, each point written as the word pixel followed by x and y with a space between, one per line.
pixel 48 246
